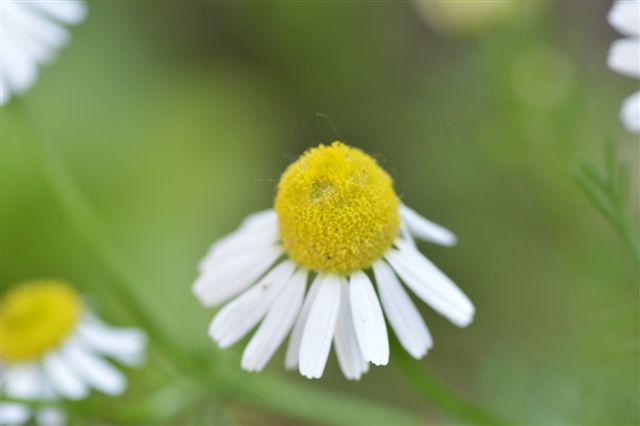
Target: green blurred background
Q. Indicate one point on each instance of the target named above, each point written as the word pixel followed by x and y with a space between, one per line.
pixel 177 118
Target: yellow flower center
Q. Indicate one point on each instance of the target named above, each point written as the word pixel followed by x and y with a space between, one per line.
pixel 35 317
pixel 337 210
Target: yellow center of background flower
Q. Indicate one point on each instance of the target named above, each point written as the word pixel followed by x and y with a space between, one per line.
pixel 337 210
pixel 35 317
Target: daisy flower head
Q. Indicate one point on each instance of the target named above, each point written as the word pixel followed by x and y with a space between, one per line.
pixel 338 223
pixel 31 32
pixel 54 347
pixel 624 55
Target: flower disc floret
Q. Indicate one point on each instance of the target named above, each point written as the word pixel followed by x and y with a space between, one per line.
pixel 35 317
pixel 337 210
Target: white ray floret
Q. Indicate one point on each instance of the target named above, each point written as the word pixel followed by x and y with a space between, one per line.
pixel 624 16
pixel 368 320
pixel 237 318
pixel 292 357
pixel 430 284
pixel 425 229
pixel 630 113
pixel 62 377
pixel 320 326
pixel 13 413
pixel 350 358
pixel 31 32
pixel 93 370
pixel 402 314
pixel 276 325
pixel 624 55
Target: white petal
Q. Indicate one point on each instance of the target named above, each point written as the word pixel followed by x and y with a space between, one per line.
pixel 234 247
pixel 30 34
pixel 16 42
pixel 94 370
pixel 28 38
pixel 625 17
pixel 225 281
pixel 425 229
pixel 51 417
pixel 263 218
pixel 18 70
pixel 35 25
pixel 49 393
pixel 24 381
pixel 368 320
pixel 5 94
pixel 406 234
pixel 402 314
pixel 430 284
pixel 68 11
pixel 62 377
pixel 276 324
pixel 12 413
pixel 126 345
pixel 624 57
pixel 319 328
pixel 242 314
pixel 350 358
pixel 630 113
pixel 257 231
pixel 293 349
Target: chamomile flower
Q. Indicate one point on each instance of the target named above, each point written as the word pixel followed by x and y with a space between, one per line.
pixel 31 32
pixel 624 55
pixel 54 347
pixel 337 221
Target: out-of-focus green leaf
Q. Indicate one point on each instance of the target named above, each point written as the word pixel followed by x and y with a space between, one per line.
pixel 439 394
pixel 311 402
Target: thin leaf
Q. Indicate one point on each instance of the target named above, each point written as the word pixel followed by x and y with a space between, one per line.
pixel 609 195
pixel 597 197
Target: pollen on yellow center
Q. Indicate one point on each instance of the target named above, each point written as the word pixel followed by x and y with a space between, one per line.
pixel 35 317
pixel 337 210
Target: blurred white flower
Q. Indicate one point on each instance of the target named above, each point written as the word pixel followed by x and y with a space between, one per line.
pixel 624 55
pixel 31 32
pixel 53 347
pixel 463 18
pixel 336 216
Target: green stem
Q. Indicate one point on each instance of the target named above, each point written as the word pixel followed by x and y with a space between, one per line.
pixel 80 215
pixel 307 401
pixel 73 205
pixel 439 393
pixel 608 199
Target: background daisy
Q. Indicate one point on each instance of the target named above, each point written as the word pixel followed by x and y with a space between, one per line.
pixel 624 55
pixel 31 33
pixel 54 346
